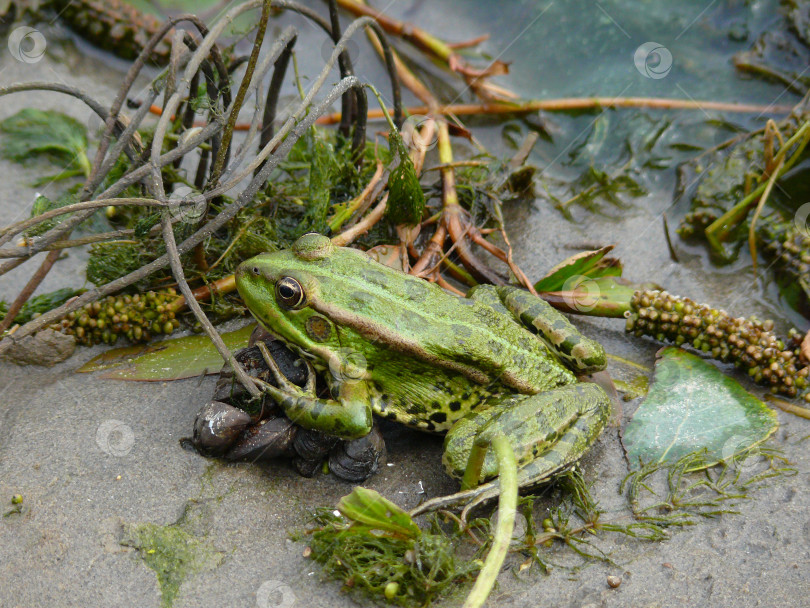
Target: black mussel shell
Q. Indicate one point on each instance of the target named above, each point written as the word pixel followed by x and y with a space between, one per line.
pixel 306 468
pixel 270 438
pixel 311 448
pixel 230 391
pixel 359 459
pixel 259 333
pixel 217 426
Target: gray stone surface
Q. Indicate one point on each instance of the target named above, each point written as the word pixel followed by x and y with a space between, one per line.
pixel 89 455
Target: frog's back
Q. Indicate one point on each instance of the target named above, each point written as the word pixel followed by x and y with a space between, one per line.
pixel 416 317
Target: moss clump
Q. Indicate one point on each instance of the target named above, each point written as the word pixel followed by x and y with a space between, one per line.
pixel 172 552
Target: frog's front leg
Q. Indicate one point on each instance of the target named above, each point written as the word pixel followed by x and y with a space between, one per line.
pixel 548 432
pixel 580 353
pixel 347 416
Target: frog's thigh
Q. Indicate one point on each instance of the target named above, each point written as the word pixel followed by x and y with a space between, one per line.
pixel 580 353
pixel 548 431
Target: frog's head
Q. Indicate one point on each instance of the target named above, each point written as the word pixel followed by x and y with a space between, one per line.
pixel 282 289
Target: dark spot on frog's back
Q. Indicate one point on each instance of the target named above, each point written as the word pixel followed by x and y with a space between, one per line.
pixel 438 417
pixel 360 299
pixel 454 406
pixel 461 331
pixel 376 278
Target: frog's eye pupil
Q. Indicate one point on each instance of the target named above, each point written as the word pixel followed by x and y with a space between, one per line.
pixel 289 293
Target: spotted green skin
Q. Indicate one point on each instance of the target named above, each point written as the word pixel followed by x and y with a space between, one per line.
pixel 498 361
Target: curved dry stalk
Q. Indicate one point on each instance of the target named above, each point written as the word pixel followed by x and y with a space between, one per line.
pixel 18 227
pixel 114 235
pixel 199 236
pixel 363 226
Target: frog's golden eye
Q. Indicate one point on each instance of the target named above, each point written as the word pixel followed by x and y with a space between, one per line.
pixel 289 293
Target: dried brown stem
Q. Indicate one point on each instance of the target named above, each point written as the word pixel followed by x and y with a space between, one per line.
pixel 29 289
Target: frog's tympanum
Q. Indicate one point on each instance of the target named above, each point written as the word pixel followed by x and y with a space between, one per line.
pixel 390 344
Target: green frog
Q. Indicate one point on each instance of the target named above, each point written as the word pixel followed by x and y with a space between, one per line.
pixel 500 361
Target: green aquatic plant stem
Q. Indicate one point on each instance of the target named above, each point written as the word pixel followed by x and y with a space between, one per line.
pixel 719 229
pixel 507 505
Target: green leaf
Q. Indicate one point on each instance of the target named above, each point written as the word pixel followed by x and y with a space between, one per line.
pixel 172 359
pixel 41 304
pixel 42 204
pixel 591 264
pixel 606 296
pixel 406 200
pixel 56 136
pixel 370 508
pixel 692 405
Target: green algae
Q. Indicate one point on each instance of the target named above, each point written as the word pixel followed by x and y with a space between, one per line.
pixel 173 552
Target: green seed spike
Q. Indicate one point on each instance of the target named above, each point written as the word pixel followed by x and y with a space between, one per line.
pixel 135 317
pixel 748 343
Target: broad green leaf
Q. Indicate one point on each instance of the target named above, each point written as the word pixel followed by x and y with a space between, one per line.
pixel 692 405
pixel 62 139
pixel 590 264
pixel 370 508
pixel 171 359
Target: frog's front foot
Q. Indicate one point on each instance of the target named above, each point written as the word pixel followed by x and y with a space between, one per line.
pixel 223 428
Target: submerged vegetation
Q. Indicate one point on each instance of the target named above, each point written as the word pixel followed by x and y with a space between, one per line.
pixel 391 557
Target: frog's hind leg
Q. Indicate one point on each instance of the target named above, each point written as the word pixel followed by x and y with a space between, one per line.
pixel 548 432
pixel 580 353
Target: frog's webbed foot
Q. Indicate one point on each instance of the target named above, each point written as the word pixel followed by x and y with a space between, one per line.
pixel 347 417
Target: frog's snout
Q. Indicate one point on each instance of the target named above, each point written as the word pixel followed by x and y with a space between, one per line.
pixel 246 269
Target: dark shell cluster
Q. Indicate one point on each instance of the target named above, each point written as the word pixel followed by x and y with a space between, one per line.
pixel 231 427
pixel 138 318
pixel 748 343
